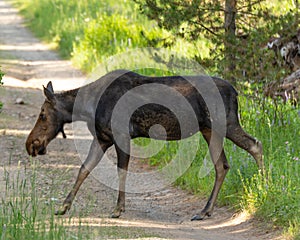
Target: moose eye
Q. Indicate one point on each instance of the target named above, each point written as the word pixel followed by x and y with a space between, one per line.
pixel 42 117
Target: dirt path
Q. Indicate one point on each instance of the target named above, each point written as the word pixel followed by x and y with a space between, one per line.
pixel 29 64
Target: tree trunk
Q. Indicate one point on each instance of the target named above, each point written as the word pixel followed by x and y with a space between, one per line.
pixel 296 3
pixel 229 40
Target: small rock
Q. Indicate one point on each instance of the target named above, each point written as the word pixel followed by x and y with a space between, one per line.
pixel 19 101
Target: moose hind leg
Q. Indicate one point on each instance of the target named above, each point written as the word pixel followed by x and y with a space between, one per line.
pixel 221 168
pixel 123 154
pixel 242 139
pixel 96 152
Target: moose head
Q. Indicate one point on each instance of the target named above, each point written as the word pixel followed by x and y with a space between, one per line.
pixel 49 123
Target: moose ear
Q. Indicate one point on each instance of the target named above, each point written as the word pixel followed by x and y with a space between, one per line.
pixel 49 93
pixel 50 87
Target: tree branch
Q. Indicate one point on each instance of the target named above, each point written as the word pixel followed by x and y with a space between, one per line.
pixel 250 5
pixel 204 27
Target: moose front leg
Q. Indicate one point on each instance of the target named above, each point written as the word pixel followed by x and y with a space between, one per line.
pixel 123 154
pixel 96 152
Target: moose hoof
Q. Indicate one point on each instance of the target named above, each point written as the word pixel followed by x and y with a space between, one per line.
pixel 115 215
pixel 201 216
pixel 117 212
pixel 197 218
pixel 63 210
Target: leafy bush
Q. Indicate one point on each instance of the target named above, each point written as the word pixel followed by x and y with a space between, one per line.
pixel 106 36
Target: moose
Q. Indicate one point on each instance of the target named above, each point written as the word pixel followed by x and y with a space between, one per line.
pixel 95 105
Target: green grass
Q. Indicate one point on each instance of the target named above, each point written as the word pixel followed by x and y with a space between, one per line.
pixel 23 215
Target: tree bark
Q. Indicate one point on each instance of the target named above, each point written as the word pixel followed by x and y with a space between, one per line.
pixel 229 40
pixel 296 3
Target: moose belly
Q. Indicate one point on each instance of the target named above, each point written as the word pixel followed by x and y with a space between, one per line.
pixel 160 123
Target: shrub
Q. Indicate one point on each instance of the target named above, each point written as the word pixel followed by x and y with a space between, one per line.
pixel 106 36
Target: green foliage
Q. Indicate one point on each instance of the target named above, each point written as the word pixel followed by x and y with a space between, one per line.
pixel 275 198
pixel 114 30
pixel 66 24
pixel 254 62
pixel 1 75
pixel 256 22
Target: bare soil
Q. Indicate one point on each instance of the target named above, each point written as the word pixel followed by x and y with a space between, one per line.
pixel 28 65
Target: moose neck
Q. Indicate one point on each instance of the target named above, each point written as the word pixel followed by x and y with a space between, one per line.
pixel 81 103
pixel 66 101
pixel 75 105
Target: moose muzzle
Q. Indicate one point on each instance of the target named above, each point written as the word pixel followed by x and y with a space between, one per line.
pixel 35 148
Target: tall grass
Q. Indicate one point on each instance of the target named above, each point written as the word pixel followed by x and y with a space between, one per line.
pixel 25 215
pixel 277 199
